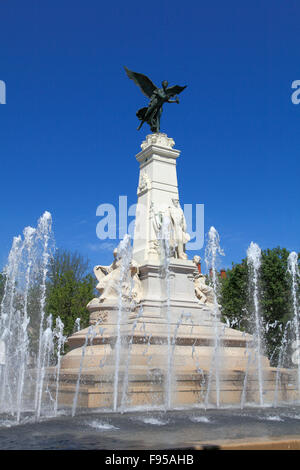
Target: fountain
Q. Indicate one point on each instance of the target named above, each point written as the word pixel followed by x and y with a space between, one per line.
pixel 161 343
pixel 25 363
pixel 155 340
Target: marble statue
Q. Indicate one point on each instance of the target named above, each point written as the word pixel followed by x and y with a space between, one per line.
pixel 179 233
pixel 176 227
pixel 133 287
pixel 157 219
pixel 203 292
pixel 109 278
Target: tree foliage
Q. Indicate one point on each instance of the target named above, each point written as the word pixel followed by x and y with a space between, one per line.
pixel 234 296
pixel 276 301
pixel 70 287
pixel 65 261
pixel 275 298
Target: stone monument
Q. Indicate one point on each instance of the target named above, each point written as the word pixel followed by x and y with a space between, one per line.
pixel 154 337
pixel 154 319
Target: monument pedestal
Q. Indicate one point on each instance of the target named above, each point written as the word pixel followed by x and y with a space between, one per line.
pixel 176 292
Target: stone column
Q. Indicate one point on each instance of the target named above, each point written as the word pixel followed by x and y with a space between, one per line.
pixel 157 187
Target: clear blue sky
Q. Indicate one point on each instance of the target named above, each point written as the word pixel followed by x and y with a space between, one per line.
pixel 68 131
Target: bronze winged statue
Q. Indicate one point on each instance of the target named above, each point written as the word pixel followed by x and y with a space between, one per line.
pixel 157 96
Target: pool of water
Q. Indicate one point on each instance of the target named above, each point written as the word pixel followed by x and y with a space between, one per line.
pixel 141 430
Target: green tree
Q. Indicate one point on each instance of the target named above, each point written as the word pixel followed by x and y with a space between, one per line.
pixel 275 298
pixel 66 261
pixel 70 287
pixel 234 297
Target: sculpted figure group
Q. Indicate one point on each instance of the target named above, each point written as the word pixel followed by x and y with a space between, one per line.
pixel 110 281
pixel 203 292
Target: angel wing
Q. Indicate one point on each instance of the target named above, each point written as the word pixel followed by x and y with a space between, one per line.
pixel 144 83
pixel 175 90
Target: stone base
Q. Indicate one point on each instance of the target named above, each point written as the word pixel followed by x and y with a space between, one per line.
pixel 165 342
pixel 188 390
pixel 144 366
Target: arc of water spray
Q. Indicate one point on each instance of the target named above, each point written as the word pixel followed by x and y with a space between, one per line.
pixel 87 338
pixel 7 335
pixel 254 261
pixel 61 339
pixel 43 233
pixel 293 270
pixel 128 360
pixel 125 254
pixel 213 249
pixel 47 348
pixel 164 237
pixel 23 263
pixel 29 235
